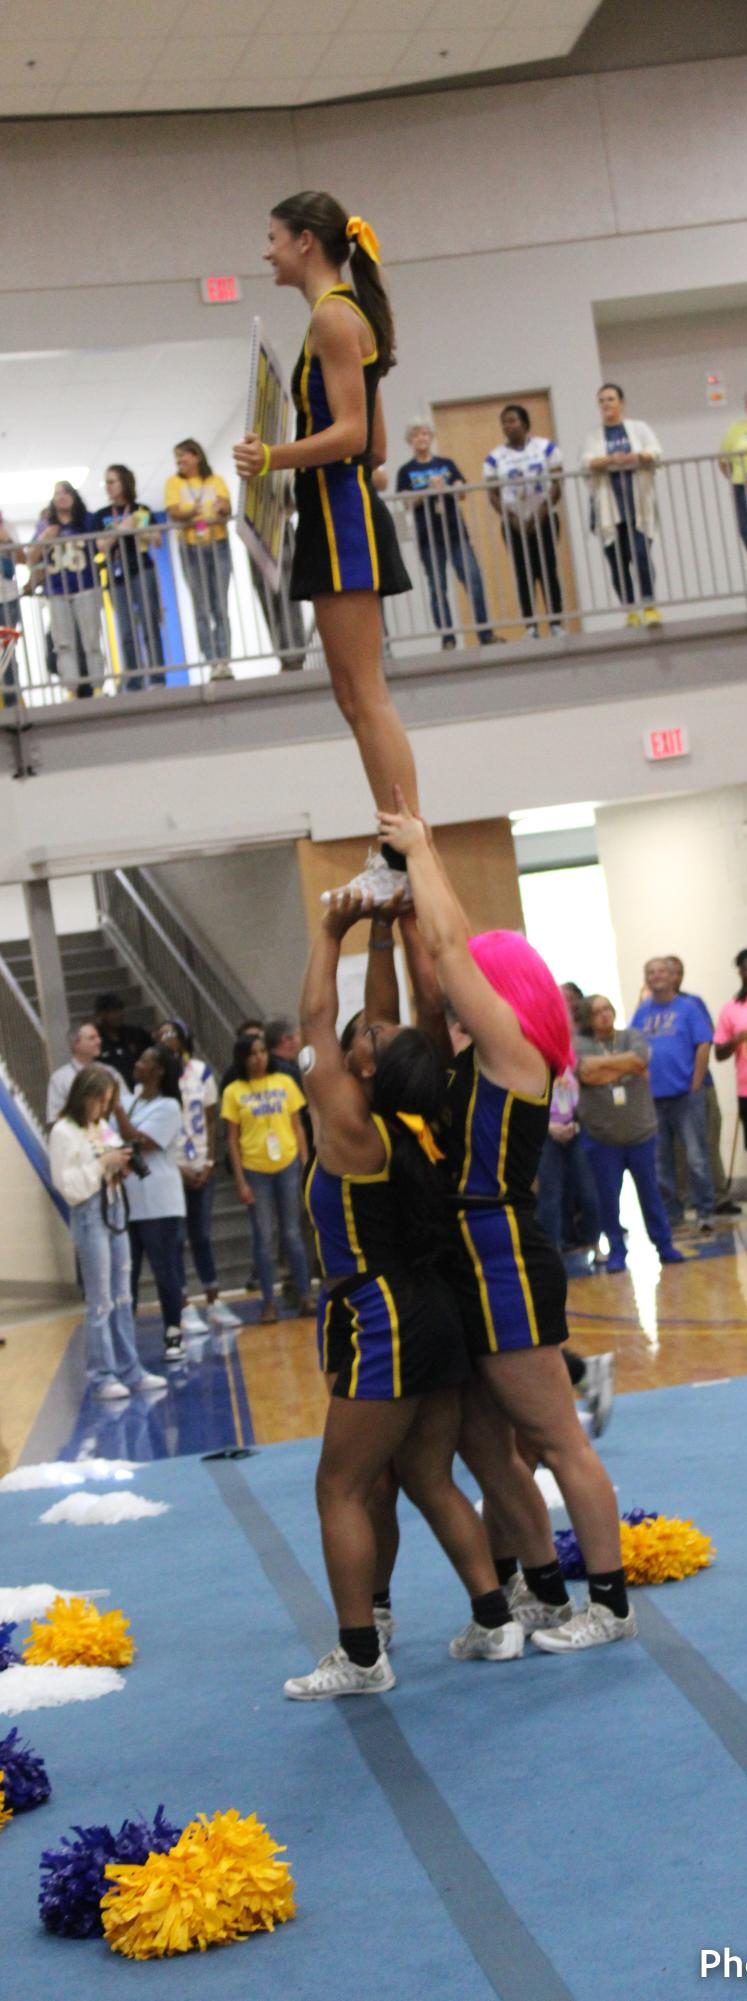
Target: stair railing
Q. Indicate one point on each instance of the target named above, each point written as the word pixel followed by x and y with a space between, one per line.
pixel 172 962
pixel 23 1048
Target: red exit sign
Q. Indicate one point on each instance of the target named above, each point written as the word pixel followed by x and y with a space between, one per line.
pixel 223 291
pixel 660 744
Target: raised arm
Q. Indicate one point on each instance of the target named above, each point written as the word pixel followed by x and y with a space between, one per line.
pixel 338 1110
pixel 504 1052
pixel 430 1013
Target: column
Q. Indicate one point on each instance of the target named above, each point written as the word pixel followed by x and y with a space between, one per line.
pixel 47 961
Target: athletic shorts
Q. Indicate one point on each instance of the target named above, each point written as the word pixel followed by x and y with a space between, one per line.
pixel 509 1282
pixel 398 1336
pixel 334 1319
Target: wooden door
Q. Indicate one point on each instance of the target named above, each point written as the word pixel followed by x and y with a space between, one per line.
pixel 466 432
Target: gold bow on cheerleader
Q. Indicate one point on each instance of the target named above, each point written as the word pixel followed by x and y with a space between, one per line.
pixel 365 236
pixel 422 1132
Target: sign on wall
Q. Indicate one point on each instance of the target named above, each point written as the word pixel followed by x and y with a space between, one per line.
pixel 261 514
pixel 661 744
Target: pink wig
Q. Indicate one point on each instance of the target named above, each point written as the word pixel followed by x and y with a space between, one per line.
pixel 515 971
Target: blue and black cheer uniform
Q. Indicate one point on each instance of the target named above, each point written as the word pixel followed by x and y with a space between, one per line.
pixel 384 1330
pixel 345 537
pixel 507 1276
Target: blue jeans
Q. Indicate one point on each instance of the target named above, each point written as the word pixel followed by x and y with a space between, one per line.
pixel 104 1261
pixel 608 1165
pixel 199 1217
pixel 435 559
pixel 564 1170
pixel 282 1193
pixel 684 1117
pixel 631 568
pixel 740 503
pixel 207 568
pixel 138 610
pixel 159 1238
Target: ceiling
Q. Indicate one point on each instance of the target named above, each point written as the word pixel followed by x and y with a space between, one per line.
pixel 88 57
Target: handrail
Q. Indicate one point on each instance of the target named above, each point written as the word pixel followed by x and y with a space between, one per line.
pixel 193 993
pixel 24 1049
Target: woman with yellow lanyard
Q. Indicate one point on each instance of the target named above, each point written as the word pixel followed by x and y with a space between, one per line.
pixel 347 555
pixel 199 500
pixel 266 1147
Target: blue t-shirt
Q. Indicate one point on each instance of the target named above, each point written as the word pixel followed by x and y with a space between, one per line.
pixel 616 440
pixel 673 1031
pixel 415 477
pixel 67 561
pixel 162 1191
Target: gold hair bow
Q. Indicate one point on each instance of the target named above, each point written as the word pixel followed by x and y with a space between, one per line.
pixel 365 236
pixel 423 1135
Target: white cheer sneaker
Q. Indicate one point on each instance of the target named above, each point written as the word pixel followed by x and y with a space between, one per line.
pixel 377 883
pixel 384 1623
pixel 335 1674
pixel 594 1626
pixel 486 1643
pixel 531 1614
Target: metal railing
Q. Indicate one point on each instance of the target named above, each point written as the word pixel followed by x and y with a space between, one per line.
pixel 539 558
pixel 174 964
pixel 23 1049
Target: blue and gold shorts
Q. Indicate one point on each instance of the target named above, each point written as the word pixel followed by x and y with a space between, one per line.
pixel 509 1281
pixel 394 1336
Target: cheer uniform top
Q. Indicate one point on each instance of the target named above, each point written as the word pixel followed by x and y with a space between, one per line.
pixel 384 1331
pixel 345 537
pixel 509 1279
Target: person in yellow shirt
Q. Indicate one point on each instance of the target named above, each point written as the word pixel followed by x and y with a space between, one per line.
pixel 199 500
pixel 266 1149
pixel 733 463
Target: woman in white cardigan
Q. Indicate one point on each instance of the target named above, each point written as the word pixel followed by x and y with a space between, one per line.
pixel 87 1164
pixel 620 458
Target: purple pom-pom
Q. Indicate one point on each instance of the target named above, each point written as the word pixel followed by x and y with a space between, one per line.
pixel 72 1876
pixel 635 1516
pixel 569 1554
pixel 8 1655
pixel 25 1781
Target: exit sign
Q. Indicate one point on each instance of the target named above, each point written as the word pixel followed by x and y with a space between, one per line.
pixel 224 291
pixel 660 744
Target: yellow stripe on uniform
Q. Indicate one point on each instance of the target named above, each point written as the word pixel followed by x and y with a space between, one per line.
pixel 325 1337
pixel 334 559
pixel 523 1276
pixel 307 1205
pixel 468 1129
pixel 482 1287
pixel 354 1336
pixel 347 1210
pixel 370 536
pixel 396 1347
pixel 303 387
pixel 503 1144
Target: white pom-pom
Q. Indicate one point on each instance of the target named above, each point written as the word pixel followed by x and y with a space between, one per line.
pixel 66 1473
pixel 23 1688
pixel 84 1510
pixel 31 1601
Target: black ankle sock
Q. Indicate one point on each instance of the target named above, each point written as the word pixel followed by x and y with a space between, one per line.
pixel 394 859
pixel 575 1365
pixel 490 1610
pixel 607 1587
pixel 382 1601
pixel 547 1583
pixel 507 1567
pixel 361 1644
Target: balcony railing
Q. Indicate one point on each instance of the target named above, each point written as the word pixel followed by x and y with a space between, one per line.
pixel 519 562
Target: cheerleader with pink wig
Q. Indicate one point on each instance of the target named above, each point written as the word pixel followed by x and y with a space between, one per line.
pixel 509 1278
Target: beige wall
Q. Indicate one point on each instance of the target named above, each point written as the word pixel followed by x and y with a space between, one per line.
pixel 249 905
pixel 35 1244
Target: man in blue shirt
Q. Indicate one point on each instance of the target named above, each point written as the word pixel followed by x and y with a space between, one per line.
pixel 678 1034
pixel 441 536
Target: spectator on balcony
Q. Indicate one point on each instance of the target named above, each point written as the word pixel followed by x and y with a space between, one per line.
pixel 523 473
pixel 66 547
pixel 196 1153
pixel 620 458
pixel 11 552
pixel 267 1145
pixel 156 1198
pixel 88 1164
pixel 733 463
pixel 133 578
pixel 731 1036
pixel 122 1042
pixel 619 1124
pixel 199 500
pixel 434 485
pixel 85 1048
pixel 679 1042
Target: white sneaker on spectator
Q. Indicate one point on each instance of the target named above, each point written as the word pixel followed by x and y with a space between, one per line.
pixel 111 1392
pixel 485 1643
pixel 595 1626
pixel 174 1346
pixel 220 1315
pixel 598 1389
pixel 149 1382
pixel 335 1674
pixel 221 670
pixel 192 1321
pixel 376 881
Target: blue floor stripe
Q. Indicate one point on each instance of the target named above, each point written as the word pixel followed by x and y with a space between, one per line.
pixel 510 1958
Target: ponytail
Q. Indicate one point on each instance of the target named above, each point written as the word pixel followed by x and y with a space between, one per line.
pixel 327 220
pixel 373 299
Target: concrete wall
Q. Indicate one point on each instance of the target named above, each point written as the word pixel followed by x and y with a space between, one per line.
pixel 35 1248
pixel 249 905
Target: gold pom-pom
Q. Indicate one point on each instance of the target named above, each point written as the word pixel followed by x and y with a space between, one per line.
pixel 663 1548
pixel 220 1882
pixel 76 1634
pixel 6 1812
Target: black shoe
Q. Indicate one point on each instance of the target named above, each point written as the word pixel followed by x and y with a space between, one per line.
pixel 705 1228
pixel 173 1346
pixel 448 642
pixel 728 1208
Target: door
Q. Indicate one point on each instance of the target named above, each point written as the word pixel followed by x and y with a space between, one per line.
pixel 466 432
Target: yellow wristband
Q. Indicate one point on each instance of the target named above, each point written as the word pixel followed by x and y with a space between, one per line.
pixel 264 469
